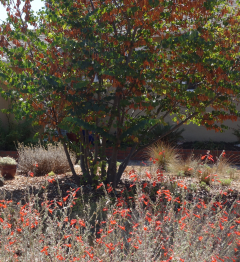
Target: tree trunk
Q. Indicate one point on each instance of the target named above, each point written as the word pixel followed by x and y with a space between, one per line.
pixel 112 168
pixel 84 160
pixel 82 163
pixel 103 158
pixel 75 176
pixel 124 164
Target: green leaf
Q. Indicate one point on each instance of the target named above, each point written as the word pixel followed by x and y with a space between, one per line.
pixel 80 85
pixel 85 126
pixel 143 124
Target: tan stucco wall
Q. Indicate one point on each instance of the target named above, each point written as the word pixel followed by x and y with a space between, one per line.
pixel 193 132
pixel 199 133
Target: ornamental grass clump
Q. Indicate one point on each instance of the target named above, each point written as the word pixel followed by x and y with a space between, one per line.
pixel 224 167
pixel 203 168
pixel 131 225
pixel 184 167
pixel 221 168
pixel 162 154
pixel 40 160
pixel 205 173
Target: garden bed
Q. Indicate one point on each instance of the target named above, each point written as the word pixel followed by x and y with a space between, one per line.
pixel 62 220
pixel 16 189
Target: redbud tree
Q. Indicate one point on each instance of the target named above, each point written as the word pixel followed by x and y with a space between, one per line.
pixel 117 68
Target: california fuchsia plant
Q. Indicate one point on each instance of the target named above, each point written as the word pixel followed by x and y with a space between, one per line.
pixel 168 226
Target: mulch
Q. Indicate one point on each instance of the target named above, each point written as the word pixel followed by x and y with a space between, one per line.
pixel 22 186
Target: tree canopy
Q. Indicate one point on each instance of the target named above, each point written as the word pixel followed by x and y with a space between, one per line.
pixel 117 69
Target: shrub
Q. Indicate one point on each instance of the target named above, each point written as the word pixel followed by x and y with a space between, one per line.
pixel 160 130
pixel 225 182
pixel 41 160
pixel 170 228
pixel 236 132
pixel 22 132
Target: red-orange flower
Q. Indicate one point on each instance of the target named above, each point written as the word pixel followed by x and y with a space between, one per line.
pixel 81 222
pixel 73 221
pixel 65 198
pixel 113 222
pixel 59 257
pixel 123 228
pixel 90 255
pixel 45 250
pixel 148 175
pixel 51 180
pixel 99 185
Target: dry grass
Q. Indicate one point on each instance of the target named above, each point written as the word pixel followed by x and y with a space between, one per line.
pixel 225 168
pixel 205 174
pixel 204 169
pixel 41 161
pixel 184 167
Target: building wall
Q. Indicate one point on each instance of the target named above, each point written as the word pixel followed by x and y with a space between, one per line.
pixel 199 133
pixel 193 132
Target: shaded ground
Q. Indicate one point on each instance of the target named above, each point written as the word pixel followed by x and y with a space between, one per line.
pixel 18 188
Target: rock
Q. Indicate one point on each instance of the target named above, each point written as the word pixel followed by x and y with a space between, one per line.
pixel 72 185
pixel 2 181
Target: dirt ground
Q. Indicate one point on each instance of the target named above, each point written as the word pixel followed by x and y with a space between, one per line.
pixel 17 188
